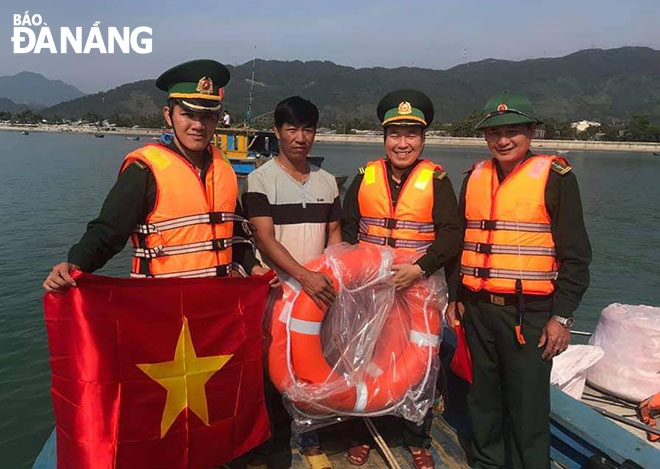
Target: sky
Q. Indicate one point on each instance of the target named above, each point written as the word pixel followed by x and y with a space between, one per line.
pixel 358 33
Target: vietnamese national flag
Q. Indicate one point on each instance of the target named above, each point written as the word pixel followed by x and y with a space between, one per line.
pixel 157 372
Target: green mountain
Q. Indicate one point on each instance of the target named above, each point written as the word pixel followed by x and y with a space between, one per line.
pixel 595 84
pixel 7 105
pixel 36 90
pixel 140 98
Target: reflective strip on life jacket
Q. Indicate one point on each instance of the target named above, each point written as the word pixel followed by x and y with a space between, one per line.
pixel 202 218
pixel 416 244
pixel 217 271
pixel 508 225
pixel 393 224
pixel 504 249
pixel 485 273
pixel 212 245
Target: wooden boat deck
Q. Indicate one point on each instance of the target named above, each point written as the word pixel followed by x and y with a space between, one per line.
pixel 596 398
pixel 445 447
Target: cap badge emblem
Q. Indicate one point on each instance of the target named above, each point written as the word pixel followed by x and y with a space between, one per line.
pixel 404 108
pixel 502 107
pixel 205 86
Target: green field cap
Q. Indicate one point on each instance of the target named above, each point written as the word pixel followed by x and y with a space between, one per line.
pixel 405 107
pixel 507 108
pixel 198 84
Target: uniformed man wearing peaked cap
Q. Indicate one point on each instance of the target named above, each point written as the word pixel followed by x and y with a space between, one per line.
pixel 429 203
pixel 159 182
pixel 405 107
pixel 197 85
pixel 523 270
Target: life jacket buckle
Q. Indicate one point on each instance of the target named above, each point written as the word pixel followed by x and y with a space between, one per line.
pixel 216 217
pixel 482 272
pixel 484 248
pixel 390 223
pixel 488 224
pixel 220 244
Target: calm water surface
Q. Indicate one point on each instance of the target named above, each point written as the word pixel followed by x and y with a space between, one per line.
pixel 52 184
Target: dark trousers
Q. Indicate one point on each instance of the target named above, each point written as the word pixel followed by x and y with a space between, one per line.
pixel 418 435
pixel 509 400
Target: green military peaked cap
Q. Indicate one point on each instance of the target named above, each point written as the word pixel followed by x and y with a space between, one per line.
pixel 405 107
pixel 198 84
pixel 507 108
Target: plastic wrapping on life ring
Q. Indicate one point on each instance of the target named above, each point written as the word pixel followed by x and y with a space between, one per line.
pixel 373 352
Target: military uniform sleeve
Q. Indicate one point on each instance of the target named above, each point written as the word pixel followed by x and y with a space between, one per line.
pixel 447 236
pixel 350 220
pixel 571 242
pixel 243 253
pixel 126 205
pixel 452 268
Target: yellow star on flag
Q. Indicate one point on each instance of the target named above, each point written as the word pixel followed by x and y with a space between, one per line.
pixel 184 378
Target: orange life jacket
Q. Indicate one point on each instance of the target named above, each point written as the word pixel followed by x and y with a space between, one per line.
pixel 409 225
pixel 648 412
pixel 189 233
pixel 508 236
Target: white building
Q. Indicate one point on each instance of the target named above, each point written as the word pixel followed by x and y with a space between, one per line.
pixel 584 125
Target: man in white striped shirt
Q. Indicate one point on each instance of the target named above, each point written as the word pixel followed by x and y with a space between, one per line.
pixel 295 209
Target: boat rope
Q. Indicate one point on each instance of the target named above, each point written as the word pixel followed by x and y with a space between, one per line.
pixel 627 421
pixel 378 438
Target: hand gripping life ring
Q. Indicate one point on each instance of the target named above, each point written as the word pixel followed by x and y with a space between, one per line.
pixel 402 356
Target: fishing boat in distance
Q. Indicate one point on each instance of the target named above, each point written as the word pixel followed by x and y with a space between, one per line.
pixel 246 148
pixel 24 132
pixel 133 137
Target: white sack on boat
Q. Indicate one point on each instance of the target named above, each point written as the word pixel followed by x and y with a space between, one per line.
pixel 569 369
pixel 630 337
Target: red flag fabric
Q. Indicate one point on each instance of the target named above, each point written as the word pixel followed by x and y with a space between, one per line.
pixel 157 372
pixel 461 362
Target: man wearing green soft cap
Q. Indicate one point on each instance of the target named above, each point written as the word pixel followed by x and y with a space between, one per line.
pixel 524 267
pixel 186 181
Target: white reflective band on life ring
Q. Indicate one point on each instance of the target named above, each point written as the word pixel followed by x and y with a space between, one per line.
pixel 362 394
pixel 291 282
pixel 305 327
pixel 424 340
pixel 286 311
pixel 374 370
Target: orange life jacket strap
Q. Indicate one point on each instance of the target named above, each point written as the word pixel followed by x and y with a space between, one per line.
pixel 508 226
pixel 218 271
pixel 485 248
pixel 180 222
pixel 485 272
pixel 211 245
pixel 394 224
pixel 417 244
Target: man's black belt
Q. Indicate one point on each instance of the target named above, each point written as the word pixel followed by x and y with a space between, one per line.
pixel 501 299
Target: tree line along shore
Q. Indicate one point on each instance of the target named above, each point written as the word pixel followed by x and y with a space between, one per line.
pixel 375 137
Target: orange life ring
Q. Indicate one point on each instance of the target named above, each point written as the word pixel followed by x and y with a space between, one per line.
pixel 295 354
